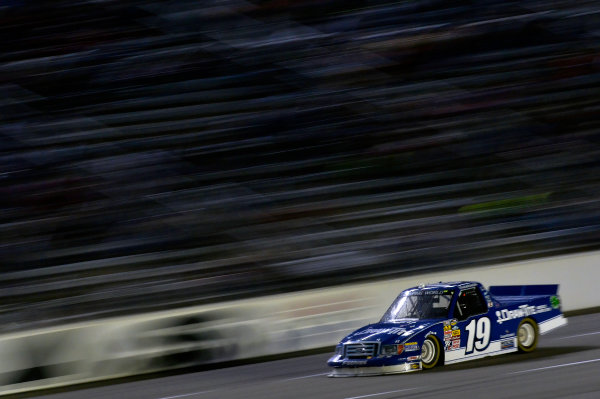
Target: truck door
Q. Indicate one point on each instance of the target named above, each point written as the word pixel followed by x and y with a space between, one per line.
pixel 472 332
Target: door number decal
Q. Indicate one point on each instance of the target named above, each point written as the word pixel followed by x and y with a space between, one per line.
pixel 478 334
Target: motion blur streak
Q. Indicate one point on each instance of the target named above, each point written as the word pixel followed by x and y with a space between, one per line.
pixel 164 154
pixel 558 366
pixel 184 395
pixel 381 393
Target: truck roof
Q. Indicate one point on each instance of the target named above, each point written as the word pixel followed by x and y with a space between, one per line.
pixel 447 285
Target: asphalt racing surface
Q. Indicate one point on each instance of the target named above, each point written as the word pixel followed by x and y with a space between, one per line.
pixel 566 364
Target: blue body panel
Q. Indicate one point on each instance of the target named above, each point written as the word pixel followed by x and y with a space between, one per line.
pixel 523 290
pixel 491 332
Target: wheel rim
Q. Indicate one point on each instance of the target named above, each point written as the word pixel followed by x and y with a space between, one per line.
pixel 428 351
pixel 526 334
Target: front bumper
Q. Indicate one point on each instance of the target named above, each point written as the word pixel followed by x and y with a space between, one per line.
pixel 370 371
pixel 343 369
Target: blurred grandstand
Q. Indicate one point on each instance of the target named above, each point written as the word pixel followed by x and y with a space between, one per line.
pixel 161 154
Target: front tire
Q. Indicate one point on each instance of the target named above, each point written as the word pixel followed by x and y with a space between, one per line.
pixel 430 353
pixel 527 335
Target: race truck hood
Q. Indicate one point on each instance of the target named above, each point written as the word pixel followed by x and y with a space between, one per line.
pixel 396 332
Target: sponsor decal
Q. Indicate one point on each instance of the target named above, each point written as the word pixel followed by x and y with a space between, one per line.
pixel 431 292
pixel 507 344
pixel 451 338
pixel 467 285
pixel 554 302
pixel 415 366
pixel 507 335
pixel 393 330
pixel 354 362
pixel 522 311
pixel 411 347
pixel 413 358
pixel 447 328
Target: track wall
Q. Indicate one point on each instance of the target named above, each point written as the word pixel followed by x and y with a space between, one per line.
pixel 249 328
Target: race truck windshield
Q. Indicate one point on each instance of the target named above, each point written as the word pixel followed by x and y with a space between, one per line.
pixel 419 304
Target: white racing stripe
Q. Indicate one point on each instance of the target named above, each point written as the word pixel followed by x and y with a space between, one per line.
pixel 380 393
pixel 494 348
pixel 557 366
pixel 551 324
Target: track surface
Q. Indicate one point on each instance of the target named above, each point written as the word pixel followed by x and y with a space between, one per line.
pixel 565 365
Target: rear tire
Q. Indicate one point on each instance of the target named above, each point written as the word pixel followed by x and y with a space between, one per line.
pixel 527 335
pixel 430 353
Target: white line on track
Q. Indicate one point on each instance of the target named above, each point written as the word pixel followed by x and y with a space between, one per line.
pixel 381 393
pixel 306 376
pixel 557 366
pixel 185 394
pixel 580 335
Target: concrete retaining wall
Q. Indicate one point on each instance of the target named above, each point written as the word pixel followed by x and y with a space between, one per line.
pixel 249 328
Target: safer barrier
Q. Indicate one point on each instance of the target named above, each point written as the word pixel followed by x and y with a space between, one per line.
pixel 245 329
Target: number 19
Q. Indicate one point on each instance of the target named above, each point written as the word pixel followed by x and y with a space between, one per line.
pixel 479 334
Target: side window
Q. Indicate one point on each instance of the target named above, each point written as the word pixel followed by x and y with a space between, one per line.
pixel 470 302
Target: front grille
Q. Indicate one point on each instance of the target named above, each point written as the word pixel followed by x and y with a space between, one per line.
pixel 361 350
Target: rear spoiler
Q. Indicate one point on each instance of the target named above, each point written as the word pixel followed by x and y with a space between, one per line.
pixel 523 290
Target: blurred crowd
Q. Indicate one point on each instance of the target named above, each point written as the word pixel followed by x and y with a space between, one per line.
pixel 160 154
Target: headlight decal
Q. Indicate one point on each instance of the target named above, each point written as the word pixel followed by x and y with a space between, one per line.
pixel 390 350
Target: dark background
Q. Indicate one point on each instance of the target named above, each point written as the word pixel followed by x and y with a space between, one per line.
pixel 161 154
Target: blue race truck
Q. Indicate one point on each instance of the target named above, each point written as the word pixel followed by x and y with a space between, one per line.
pixel 446 323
